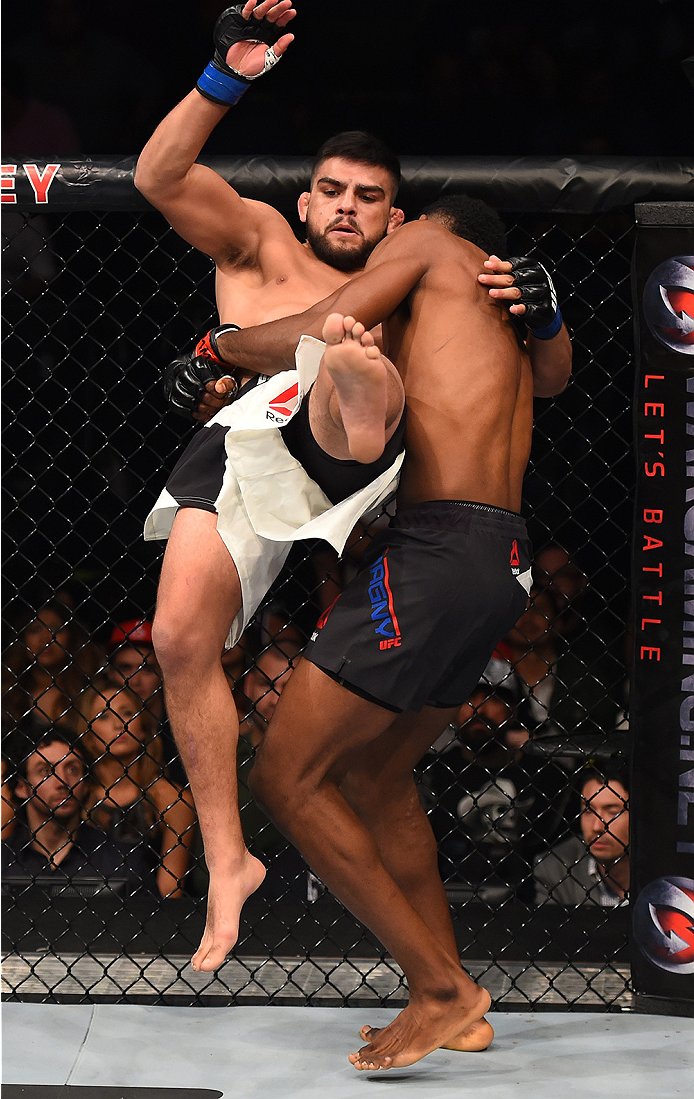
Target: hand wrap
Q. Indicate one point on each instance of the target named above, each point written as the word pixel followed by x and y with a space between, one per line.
pixel 186 377
pixel 219 82
pixel 538 295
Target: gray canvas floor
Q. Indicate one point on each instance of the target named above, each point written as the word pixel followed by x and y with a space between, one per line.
pixel 301 1053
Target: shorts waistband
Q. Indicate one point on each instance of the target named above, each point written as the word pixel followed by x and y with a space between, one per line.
pixel 454 514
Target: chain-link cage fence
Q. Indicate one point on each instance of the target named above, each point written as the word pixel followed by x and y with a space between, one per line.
pixel 104 879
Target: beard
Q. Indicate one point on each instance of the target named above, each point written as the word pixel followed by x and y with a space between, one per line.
pixel 337 256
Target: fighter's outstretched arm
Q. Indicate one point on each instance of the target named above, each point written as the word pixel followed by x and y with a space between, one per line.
pixel 394 268
pixel 194 199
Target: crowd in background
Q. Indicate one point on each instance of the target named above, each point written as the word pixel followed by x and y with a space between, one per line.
pixel 94 795
pixel 93 790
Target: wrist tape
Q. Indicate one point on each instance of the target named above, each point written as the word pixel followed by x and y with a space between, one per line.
pixel 550 330
pixel 221 87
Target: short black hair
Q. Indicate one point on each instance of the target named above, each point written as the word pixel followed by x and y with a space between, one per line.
pixel 606 773
pixel 471 219
pixel 360 146
pixel 56 735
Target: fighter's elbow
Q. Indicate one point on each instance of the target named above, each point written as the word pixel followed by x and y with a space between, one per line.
pixel 551 386
pixel 144 178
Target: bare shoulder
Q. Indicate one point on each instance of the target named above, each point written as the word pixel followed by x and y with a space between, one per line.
pixel 414 234
pixel 429 240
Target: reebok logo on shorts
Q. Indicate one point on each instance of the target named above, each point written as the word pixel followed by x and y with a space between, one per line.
pixel 515 559
pixel 284 404
pixel 382 610
pixel 525 579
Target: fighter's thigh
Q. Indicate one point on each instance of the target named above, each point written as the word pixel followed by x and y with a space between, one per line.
pixel 394 754
pixel 317 727
pixel 199 587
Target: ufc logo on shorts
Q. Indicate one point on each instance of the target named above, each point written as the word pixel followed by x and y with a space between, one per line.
pixel 390 643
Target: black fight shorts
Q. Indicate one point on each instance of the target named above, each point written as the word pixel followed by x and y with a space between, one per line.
pixel 435 594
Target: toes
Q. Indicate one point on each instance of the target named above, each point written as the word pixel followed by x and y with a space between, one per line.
pixel 334 328
pixel 367 339
pixel 358 330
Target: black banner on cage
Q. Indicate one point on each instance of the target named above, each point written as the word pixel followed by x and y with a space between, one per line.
pixel 662 696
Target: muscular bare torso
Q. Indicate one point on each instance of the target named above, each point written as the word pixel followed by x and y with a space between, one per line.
pixel 468 383
pixel 285 278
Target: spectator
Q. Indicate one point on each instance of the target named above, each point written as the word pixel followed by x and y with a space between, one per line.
pixel 556 571
pixel 592 868
pixel 51 844
pixel 562 689
pixel 133 800
pixel 482 796
pixel 51 664
pixel 134 663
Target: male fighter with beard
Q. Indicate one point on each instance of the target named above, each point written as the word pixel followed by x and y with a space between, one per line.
pixel 412 633
pixel 262 272
pixel 220 559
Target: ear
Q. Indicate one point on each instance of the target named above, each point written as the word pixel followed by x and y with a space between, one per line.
pixel 395 219
pixel 22 789
pixel 422 217
pixel 302 205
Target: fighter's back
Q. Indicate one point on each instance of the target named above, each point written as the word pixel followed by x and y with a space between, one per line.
pixel 468 382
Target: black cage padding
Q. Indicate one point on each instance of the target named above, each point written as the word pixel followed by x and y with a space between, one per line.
pixel 566 185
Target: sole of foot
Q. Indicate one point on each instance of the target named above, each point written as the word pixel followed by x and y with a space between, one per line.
pixel 360 377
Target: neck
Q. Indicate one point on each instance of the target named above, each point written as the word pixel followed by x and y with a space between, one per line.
pixel 45 676
pixel 51 837
pixel 112 770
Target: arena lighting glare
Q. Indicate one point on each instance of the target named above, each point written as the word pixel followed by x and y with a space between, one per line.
pixel 668 304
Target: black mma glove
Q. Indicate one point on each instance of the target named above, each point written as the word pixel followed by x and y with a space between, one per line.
pixel 219 82
pixel 186 378
pixel 538 295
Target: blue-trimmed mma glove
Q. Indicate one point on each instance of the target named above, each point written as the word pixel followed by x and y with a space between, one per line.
pixel 186 378
pixel 538 295
pixel 219 82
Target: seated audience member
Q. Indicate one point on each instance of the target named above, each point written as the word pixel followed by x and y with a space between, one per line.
pixel 556 571
pixel 592 868
pixel 482 795
pixel 133 662
pixel 133 799
pixel 51 664
pixel 562 689
pixel 51 844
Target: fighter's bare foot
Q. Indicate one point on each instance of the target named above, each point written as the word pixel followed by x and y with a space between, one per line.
pixel 226 897
pixel 475 1038
pixel 423 1026
pixel 360 376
